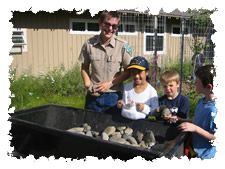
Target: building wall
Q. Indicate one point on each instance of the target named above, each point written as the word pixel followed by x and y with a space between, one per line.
pixel 173 49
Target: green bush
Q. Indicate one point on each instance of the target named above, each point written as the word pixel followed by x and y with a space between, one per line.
pixel 55 87
pixel 187 69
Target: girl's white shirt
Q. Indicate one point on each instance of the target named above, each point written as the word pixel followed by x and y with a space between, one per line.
pixel 149 97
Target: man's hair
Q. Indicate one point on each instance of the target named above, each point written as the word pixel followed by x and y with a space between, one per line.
pixel 108 14
pixel 170 75
pixel 206 74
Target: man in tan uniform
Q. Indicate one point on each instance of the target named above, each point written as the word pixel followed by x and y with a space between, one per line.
pixel 103 59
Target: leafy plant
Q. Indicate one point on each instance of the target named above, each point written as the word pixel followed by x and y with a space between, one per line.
pixel 55 87
pixel 202 26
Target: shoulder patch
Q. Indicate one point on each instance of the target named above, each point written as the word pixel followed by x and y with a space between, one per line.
pixel 128 48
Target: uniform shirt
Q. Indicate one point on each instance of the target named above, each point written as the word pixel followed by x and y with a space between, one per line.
pixel 148 96
pixel 178 106
pixel 205 113
pixel 107 60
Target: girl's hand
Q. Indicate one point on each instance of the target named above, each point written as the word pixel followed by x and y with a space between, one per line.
pixel 140 106
pixel 120 104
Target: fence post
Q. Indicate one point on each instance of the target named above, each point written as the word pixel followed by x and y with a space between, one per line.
pixel 154 74
pixel 181 53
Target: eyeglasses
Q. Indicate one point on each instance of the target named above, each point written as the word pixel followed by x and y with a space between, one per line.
pixel 107 24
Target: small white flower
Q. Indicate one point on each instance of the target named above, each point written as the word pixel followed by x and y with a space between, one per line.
pixel 52 79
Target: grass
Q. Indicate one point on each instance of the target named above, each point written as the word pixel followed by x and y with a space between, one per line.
pixel 55 99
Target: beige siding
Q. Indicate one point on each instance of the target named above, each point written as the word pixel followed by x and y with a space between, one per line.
pixel 172 52
pixel 51 49
pixel 136 41
pixel 47 50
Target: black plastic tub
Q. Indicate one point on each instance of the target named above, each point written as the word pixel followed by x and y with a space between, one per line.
pixel 41 131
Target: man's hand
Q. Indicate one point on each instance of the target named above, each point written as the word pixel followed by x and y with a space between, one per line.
pixel 103 86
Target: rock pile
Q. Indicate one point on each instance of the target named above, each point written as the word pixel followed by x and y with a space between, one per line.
pixel 119 134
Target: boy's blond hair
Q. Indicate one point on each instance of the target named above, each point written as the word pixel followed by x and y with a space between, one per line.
pixel 170 75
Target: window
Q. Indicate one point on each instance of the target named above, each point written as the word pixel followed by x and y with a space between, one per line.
pixel 19 41
pixel 93 27
pixel 149 35
pixel 128 24
pixel 149 28
pixel 149 43
pixel 176 30
pixel 78 26
pixel 127 29
pixel 84 26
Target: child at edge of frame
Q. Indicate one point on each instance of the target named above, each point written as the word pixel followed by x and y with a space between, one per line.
pixel 202 127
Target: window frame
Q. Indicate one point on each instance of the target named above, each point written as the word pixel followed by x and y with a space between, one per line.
pixel 152 34
pixel 179 35
pixel 160 23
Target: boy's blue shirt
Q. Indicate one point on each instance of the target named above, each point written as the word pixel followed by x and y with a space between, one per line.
pixel 180 105
pixel 205 113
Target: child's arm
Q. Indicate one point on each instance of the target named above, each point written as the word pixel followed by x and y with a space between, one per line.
pixel 174 119
pixel 154 104
pixel 190 127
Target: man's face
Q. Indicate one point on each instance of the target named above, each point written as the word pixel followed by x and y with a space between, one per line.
pixel 109 27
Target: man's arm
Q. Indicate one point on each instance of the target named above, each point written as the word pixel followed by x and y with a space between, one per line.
pixel 119 78
pixel 106 85
pixel 85 75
